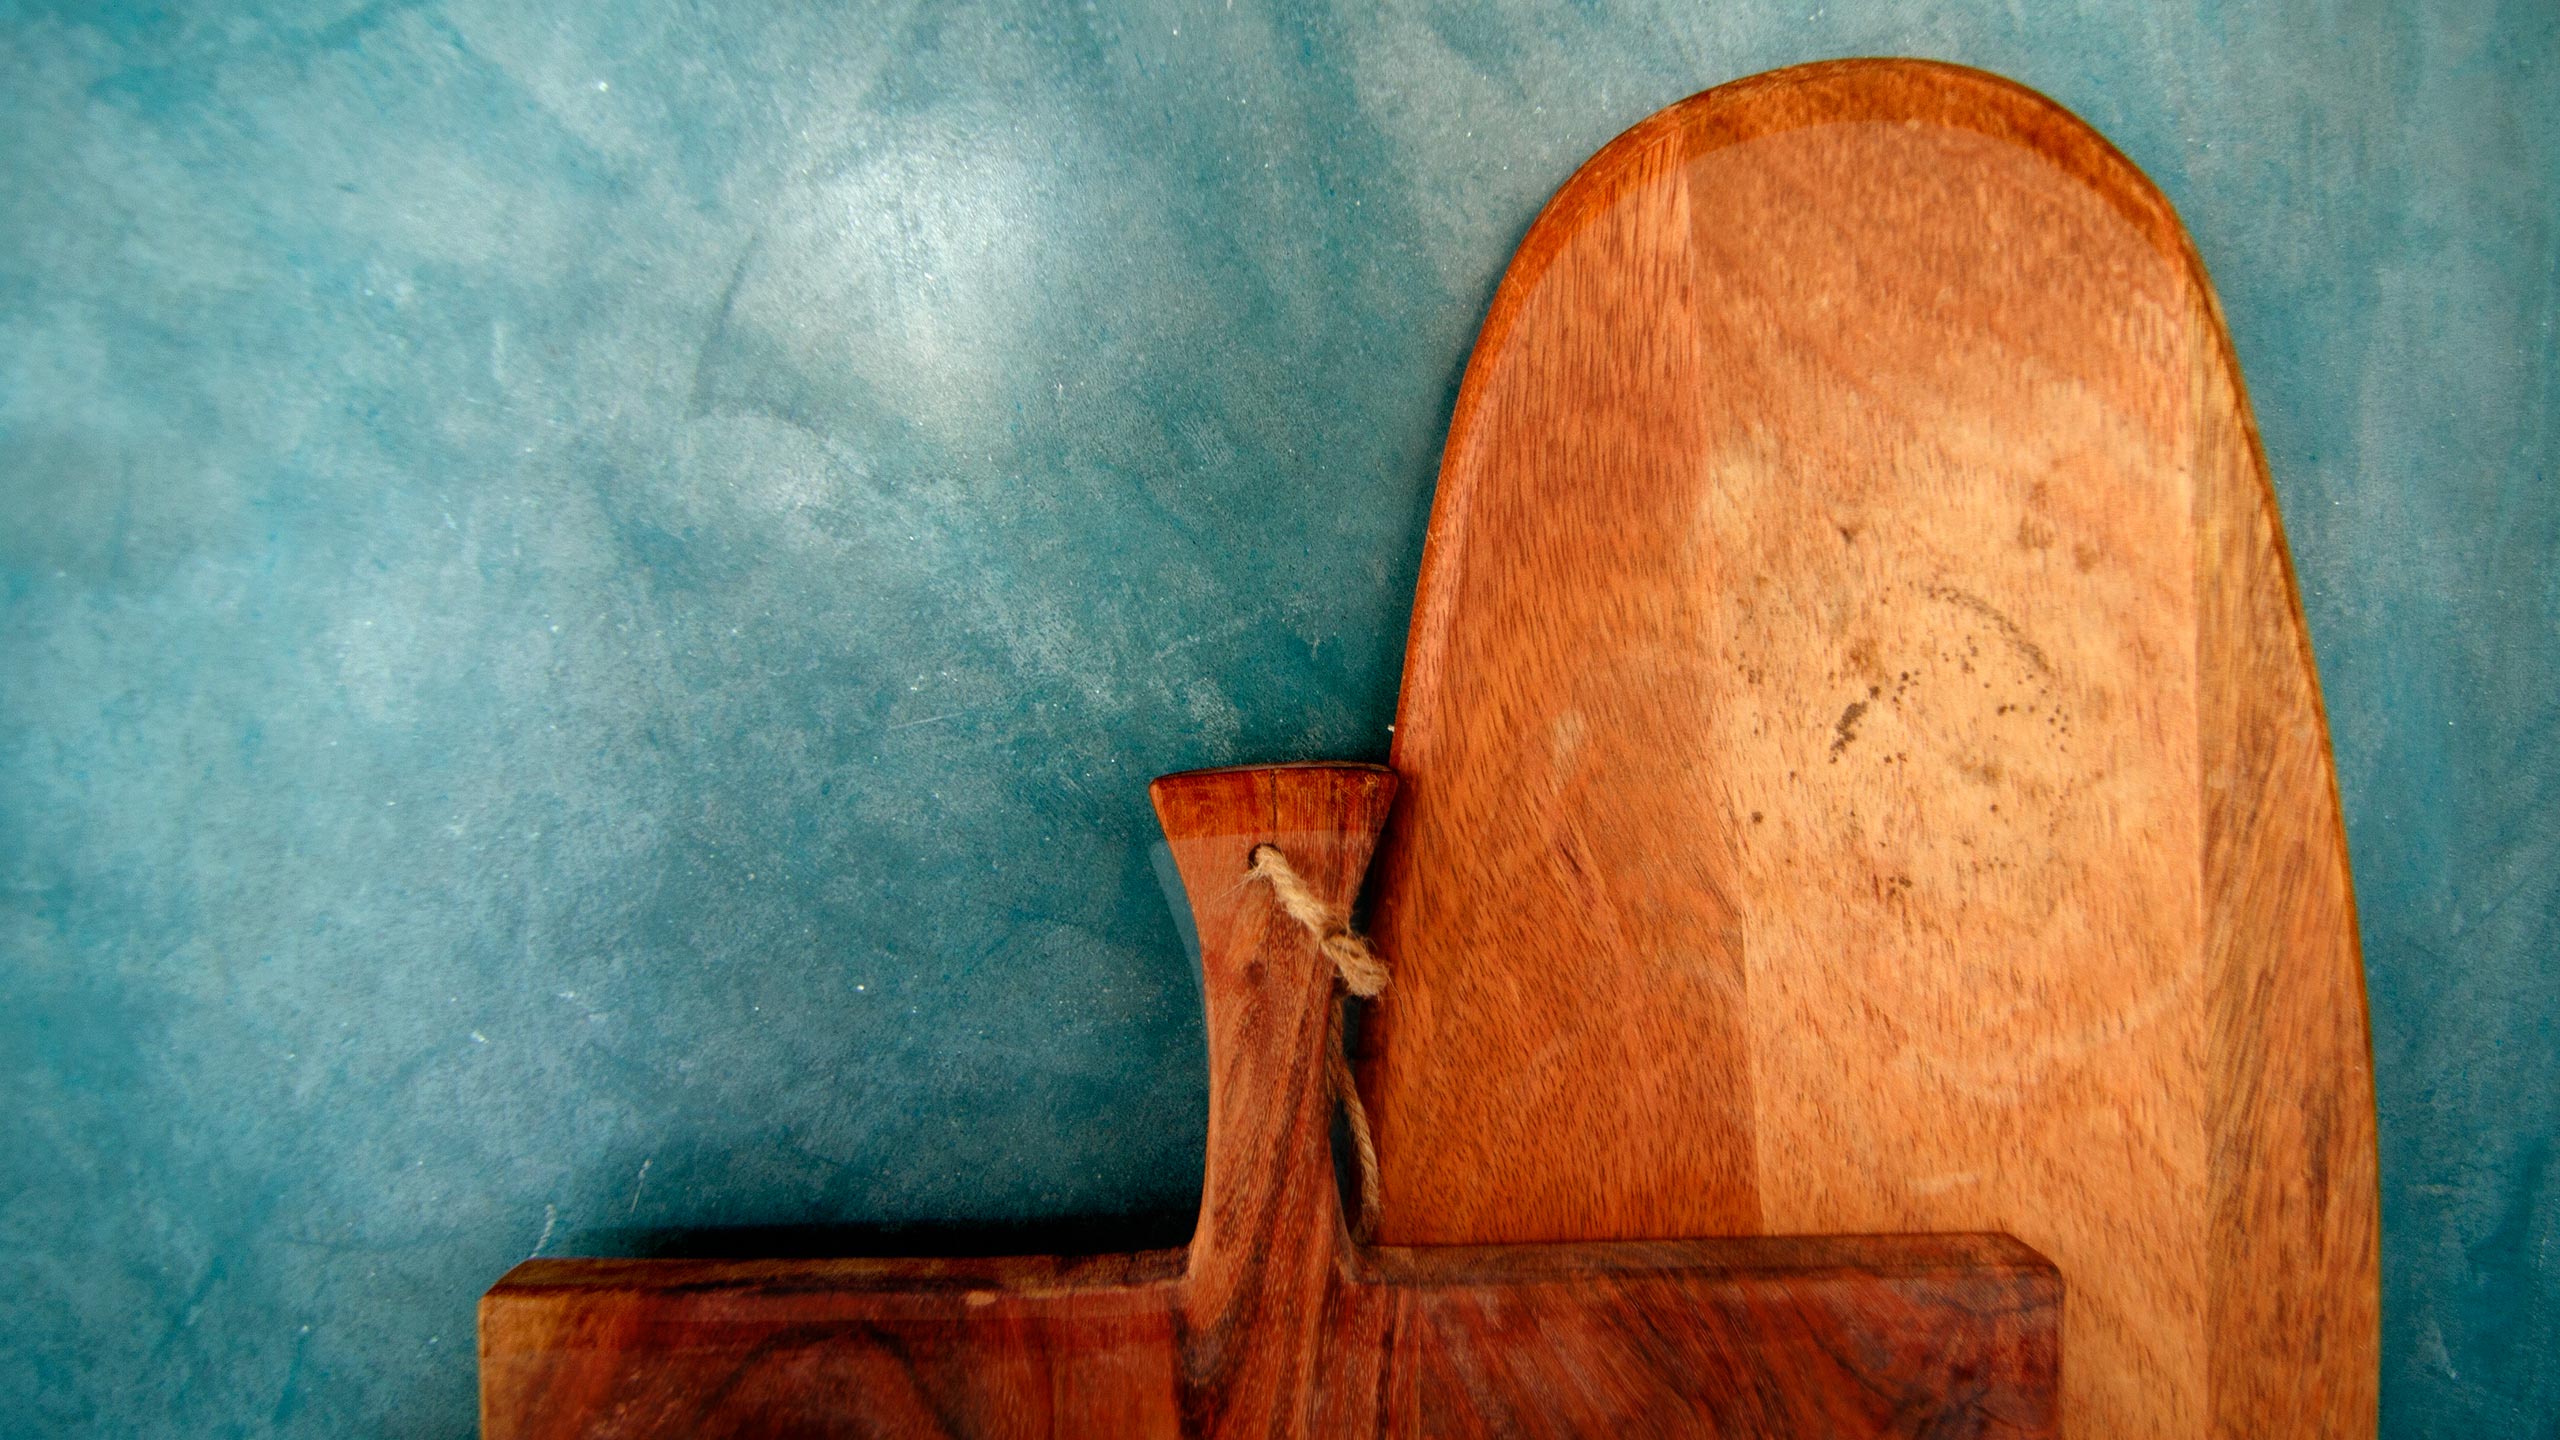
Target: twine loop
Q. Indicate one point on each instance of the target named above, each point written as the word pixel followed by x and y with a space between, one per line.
pixel 1363 974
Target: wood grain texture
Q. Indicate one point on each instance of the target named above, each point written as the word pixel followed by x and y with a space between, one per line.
pixel 623 1349
pixel 1750 1336
pixel 1272 1323
pixel 1865 768
pixel 1911 1335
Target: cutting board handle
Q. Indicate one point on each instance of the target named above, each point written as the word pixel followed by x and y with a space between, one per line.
pixel 1271 1244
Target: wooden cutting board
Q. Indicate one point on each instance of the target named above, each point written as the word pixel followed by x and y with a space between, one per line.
pixel 1864 766
pixel 1864 791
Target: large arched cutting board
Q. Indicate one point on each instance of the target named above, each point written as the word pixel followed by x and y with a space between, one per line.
pixel 1865 767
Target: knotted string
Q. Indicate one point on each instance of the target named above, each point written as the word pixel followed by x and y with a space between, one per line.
pixel 1363 974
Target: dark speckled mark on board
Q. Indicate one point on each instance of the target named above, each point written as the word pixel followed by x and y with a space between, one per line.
pixel 1845 729
pixel 2010 630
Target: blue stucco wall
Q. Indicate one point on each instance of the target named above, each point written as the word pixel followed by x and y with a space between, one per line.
pixel 587 594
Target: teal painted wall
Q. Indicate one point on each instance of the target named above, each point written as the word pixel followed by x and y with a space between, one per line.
pixel 590 592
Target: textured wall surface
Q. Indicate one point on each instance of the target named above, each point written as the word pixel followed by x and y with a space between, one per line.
pixel 587 594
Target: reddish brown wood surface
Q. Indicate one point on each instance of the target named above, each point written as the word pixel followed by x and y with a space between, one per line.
pixel 1272 1323
pixel 1865 768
